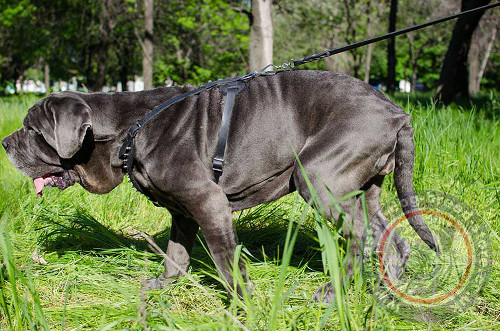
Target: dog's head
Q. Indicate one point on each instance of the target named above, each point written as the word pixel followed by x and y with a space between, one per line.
pixel 56 146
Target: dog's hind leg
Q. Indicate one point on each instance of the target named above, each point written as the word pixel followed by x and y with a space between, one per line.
pixel 354 231
pixel 328 182
pixel 397 248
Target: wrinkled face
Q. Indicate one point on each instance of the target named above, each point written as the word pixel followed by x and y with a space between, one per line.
pixel 56 145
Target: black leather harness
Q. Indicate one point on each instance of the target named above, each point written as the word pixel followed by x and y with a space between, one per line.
pixel 230 86
pixel 231 90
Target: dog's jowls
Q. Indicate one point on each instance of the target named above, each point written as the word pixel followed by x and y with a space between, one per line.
pixel 347 135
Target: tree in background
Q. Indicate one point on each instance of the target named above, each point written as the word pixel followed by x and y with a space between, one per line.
pixel 260 49
pixel 127 48
pixel 147 45
pixel 420 53
pixel 355 15
pixel 373 12
pixel 109 15
pixel 198 41
pixel 83 39
pixel 481 48
pixel 454 77
pixel 22 45
pixel 391 49
pixel 94 41
pixel 303 28
pixel 99 41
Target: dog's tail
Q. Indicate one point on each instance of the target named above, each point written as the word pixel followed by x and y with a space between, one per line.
pixel 403 180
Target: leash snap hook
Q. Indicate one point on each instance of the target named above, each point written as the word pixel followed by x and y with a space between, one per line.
pixel 285 66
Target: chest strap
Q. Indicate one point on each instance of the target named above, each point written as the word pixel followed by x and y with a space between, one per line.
pixel 231 90
pixel 127 150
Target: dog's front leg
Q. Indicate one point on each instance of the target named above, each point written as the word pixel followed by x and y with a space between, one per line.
pixel 182 237
pixel 180 245
pixel 209 206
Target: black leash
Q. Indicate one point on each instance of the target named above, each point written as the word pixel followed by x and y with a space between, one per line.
pixel 233 86
pixel 334 51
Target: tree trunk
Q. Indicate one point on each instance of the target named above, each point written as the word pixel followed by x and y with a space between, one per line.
pixel 124 76
pixel 368 63
pixel 339 62
pixel 414 70
pixel 261 35
pixel 20 89
pixel 391 49
pixel 454 77
pixel 474 64
pixel 101 49
pixel 46 76
pixel 369 32
pixel 356 60
pixel 102 65
pixel 477 66
pixel 485 58
pixel 147 59
pixel 413 62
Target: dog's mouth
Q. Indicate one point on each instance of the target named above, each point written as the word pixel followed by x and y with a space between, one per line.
pixel 61 180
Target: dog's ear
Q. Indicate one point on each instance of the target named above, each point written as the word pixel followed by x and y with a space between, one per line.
pixel 71 116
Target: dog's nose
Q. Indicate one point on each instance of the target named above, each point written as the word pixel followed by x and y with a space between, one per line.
pixel 5 143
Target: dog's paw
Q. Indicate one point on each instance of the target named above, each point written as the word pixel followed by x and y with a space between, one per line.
pixel 324 293
pixel 154 284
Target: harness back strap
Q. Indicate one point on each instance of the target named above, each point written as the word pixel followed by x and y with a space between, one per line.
pixel 231 90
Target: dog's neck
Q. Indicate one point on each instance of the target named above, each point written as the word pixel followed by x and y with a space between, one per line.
pixel 114 113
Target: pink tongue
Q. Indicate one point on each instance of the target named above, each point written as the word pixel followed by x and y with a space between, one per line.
pixel 39 184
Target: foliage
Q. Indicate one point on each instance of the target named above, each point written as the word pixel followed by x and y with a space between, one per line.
pixel 99 42
pixel 333 24
pixel 420 53
pixel 20 42
pixel 199 41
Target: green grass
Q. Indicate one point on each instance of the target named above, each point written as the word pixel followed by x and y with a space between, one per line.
pixel 96 259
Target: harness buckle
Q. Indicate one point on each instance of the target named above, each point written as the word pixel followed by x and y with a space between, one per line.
pixel 133 130
pixel 231 89
pixel 218 164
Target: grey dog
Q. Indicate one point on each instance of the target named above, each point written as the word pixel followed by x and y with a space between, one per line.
pixel 346 134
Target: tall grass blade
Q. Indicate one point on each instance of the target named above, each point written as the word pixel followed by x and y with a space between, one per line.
pixel 28 311
pixel 291 238
pixel 332 255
